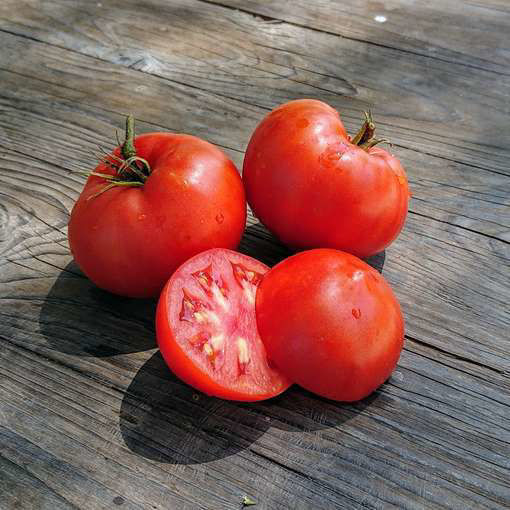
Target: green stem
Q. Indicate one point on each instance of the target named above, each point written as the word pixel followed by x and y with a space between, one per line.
pixel 128 151
pixel 130 169
pixel 128 183
pixel 365 137
pixel 114 184
pixel 366 131
pixel 128 147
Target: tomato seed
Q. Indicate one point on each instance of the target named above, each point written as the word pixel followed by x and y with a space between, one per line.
pixel 199 340
pixel 190 307
pixel 217 342
pixel 204 278
pixel 243 354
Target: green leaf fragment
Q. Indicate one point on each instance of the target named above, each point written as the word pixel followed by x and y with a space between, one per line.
pixel 247 501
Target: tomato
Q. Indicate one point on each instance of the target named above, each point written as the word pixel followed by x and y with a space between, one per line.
pixel 330 323
pixel 206 328
pixel 313 187
pixel 130 238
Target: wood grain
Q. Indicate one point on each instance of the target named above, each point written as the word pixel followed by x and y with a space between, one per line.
pixel 89 415
pixel 471 32
pixel 427 105
pixel 424 428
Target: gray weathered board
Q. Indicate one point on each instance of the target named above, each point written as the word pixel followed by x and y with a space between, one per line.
pixel 89 415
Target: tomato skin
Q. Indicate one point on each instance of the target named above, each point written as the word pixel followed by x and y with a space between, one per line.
pixel 130 240
pixel 312 188
pixel 330 323
pixel 178 360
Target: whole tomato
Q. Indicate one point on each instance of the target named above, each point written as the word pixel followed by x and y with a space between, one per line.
pixel 313 186
pixel 330 323
pixel 154 202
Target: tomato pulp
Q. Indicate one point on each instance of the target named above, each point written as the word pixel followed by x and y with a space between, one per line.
pixel 330 323
pixel 314 187
pixel 130 239
pixel 206 327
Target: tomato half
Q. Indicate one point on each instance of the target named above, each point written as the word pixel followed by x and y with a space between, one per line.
pixel 314 187
pixel 330 323
pixel 130 239
pixel 206 328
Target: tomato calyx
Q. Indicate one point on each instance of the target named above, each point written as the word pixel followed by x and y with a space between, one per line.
pixel 130 170
pixel 365 137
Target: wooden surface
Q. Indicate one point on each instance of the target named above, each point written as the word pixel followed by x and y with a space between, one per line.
pixel 90 417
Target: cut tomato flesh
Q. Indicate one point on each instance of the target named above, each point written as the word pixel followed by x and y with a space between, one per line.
pixel 207 330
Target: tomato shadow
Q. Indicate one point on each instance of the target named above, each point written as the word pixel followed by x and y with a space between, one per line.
pixel 299 410
pixel 78 318
pixel 165 420
pixel 377 261
pixel 259 243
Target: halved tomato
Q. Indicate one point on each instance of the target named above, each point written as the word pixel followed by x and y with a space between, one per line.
pixel 206 327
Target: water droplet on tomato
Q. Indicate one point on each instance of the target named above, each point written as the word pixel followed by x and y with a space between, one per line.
pixel 357 275
pixel 356 313
pixel 141 217
pixel 95 227
pixel 220 218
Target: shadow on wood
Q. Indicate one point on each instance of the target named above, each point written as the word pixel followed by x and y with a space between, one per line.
pixel 165 420
pixel 258 242
pixel 377 260
pixel 79 318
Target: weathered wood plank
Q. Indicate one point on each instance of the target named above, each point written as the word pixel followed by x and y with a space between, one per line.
pixel 69 487
pixel 469 32
pixel 439 108
pixel 428 427
pixel 18 487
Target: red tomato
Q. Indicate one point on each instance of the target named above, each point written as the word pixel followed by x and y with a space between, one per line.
pixel 330 323
pixel 206 328
pixel 129 240
pixel 313 187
